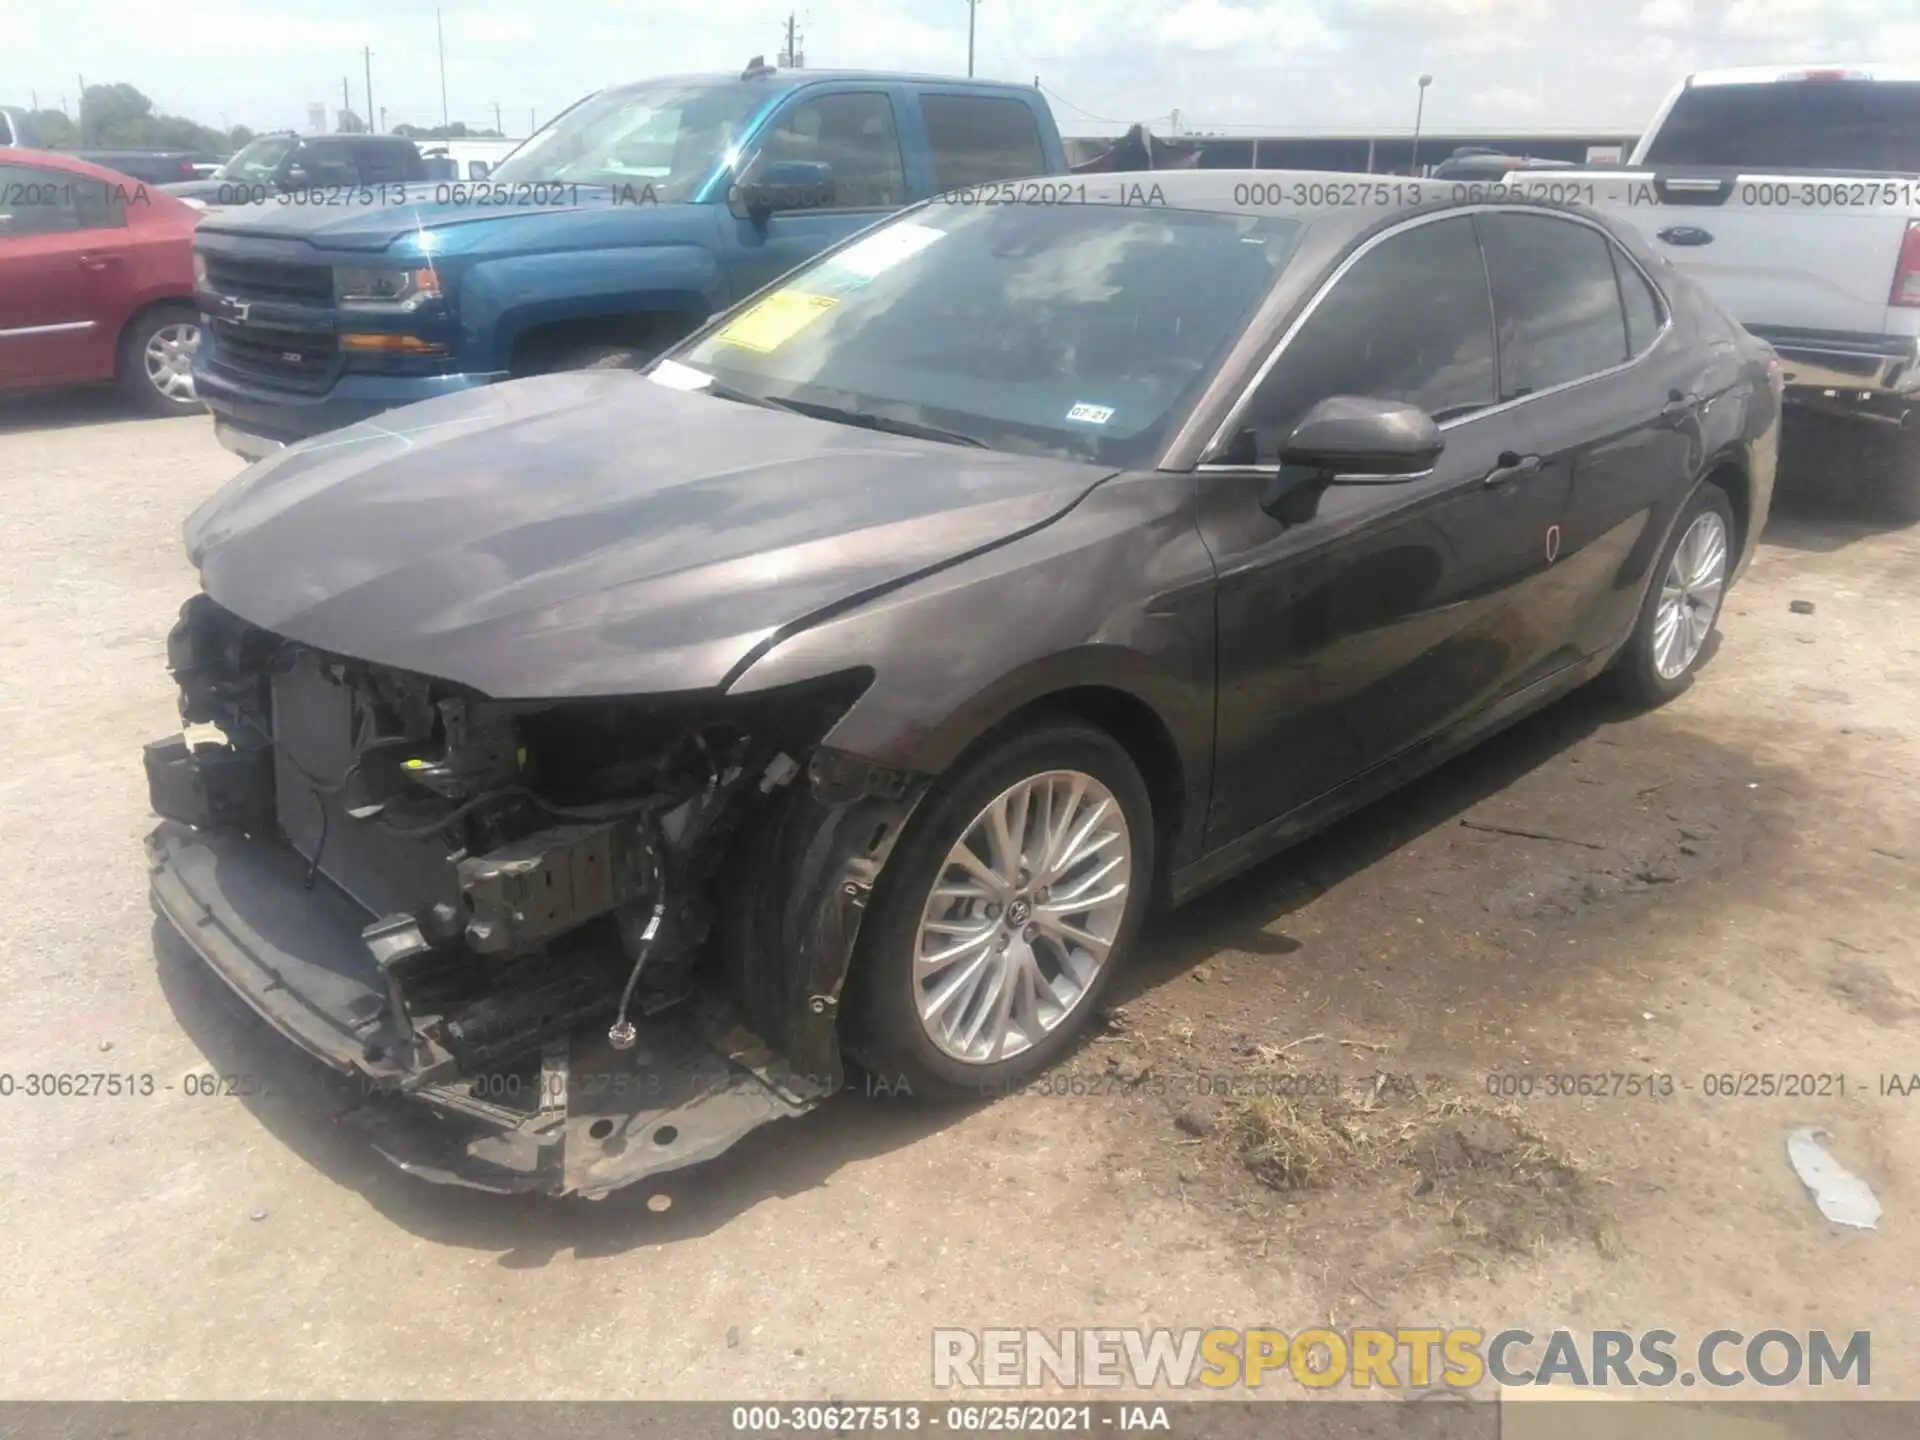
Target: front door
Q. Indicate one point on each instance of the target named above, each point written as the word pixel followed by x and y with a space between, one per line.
pixel 855 132
pixel 1355 627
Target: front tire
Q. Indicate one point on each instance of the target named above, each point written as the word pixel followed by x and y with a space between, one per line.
pixel 1003 915
pixel 1683 603
pixel 155 367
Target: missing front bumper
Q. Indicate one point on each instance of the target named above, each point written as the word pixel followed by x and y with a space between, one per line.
pixel 588 1120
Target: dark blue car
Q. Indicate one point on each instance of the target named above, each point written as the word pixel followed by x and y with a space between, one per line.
pixel 612 233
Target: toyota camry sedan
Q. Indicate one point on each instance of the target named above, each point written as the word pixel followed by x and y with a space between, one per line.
pixel 593 765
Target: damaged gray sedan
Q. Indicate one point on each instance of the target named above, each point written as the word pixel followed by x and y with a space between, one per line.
pixel 589 763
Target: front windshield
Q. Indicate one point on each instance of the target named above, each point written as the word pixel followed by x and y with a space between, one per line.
pixel 667 135
pixel 1073 330
pixel 257 159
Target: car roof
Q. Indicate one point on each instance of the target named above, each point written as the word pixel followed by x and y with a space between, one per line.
pixel 1327 199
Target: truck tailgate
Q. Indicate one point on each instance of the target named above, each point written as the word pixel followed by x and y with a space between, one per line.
pixel 1777 251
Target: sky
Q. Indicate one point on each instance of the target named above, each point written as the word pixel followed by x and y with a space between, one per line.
pixel 1273 65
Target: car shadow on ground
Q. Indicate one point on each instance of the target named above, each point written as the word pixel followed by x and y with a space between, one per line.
pixel 1246 914
pixel 68 410
pixel 788 1157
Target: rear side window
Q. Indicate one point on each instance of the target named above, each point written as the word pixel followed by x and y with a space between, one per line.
pixel 1638 300
pixel 1409 322
pixel 39 202
pixel 1794 125
pixel 1556 302
pixel 977 140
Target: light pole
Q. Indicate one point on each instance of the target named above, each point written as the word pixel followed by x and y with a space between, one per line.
pixel 972 7
pixel 1419 110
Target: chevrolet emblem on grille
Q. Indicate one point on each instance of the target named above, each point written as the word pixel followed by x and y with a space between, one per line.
pixel 292 357
pixel 234 310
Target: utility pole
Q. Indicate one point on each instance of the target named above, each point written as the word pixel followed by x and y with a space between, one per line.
pixel 83 109
pixel 531 127
pixel 383 119
pixel 498 129
pixel 1419 112
pixel 346 104
pixel 366 54
pixel 972 6
pixel 440 37
pixel 791 58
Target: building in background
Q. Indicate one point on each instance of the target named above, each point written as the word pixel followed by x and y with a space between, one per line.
pixel 1378 153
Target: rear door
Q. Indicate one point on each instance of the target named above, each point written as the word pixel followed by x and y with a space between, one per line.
pixel 65 278
pixel 1352 629
pixel 1614 400
pixel 1752 195
pixel 855 130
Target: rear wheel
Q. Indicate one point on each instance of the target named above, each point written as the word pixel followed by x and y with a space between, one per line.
pixel 1683 603
pixel 1003 915
pixel 156 360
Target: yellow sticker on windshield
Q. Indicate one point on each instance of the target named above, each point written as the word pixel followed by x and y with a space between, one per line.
pixel 775 320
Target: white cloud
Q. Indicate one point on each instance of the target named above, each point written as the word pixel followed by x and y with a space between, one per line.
pixel 1667 14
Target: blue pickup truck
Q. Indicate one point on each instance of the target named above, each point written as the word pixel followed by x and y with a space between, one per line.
pixel 617 229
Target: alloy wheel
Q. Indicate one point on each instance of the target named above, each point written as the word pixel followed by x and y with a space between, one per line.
pixel 1690 595
pixel 169 359
pixel 1022 916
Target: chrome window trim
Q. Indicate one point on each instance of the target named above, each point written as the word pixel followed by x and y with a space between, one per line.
pixel 1228 425
pixel 67 327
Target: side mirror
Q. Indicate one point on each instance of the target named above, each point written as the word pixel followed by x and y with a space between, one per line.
pixel 1360 441
pixel 778 185
pixel 478 169
pixel 293 177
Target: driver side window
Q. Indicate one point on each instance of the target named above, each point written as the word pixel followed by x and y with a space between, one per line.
pixel 1411 321
pixel 855 134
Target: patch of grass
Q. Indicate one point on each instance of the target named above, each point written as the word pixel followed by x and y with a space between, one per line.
pixel 1287 1145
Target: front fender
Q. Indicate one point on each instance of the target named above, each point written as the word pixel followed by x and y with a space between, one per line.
pixel 501 299
pixel 1115 597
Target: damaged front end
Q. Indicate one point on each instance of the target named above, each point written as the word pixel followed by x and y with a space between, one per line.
pixel 566 945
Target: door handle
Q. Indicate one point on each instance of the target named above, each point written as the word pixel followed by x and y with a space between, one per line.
pixel 1680 407
pixel 1509 469
pixel 98 262
pixel 1685 235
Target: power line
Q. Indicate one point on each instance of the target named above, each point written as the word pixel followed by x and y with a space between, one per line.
pixel 1052 94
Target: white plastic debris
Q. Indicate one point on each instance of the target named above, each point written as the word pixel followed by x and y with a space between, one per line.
pixel 1842 1196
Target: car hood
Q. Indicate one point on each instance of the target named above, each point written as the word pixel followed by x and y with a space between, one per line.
pixel 595 533
pixel 372 217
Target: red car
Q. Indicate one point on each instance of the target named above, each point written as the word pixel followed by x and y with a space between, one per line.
pixel 96 281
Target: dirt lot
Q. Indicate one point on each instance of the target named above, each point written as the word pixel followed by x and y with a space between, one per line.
pixel 1725 886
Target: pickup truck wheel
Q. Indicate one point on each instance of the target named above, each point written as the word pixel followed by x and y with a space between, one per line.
pixel 1003 915
pixel 156 360
pixel 1683 601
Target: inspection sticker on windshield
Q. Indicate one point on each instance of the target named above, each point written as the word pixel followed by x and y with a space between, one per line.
pixel 1091 414
pixel 775 320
